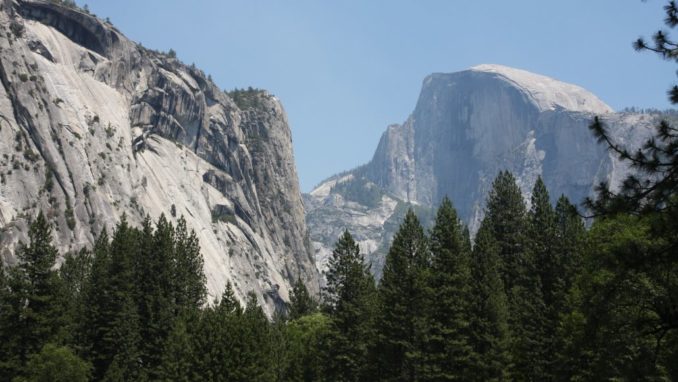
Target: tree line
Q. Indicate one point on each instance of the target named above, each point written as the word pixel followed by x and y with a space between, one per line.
pixel 535 296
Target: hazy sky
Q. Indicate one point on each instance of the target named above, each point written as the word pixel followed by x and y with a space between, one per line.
pixel 345 69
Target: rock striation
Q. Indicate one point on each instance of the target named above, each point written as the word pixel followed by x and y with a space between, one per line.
pixel 93 127
pixel 465 128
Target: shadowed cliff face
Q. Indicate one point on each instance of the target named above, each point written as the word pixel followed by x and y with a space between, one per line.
pixel 94 126
pixel 466 127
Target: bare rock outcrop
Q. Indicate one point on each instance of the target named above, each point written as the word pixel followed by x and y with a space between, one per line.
pixel 94 126
pixel 465 128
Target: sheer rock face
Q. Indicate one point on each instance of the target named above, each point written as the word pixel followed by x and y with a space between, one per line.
pixel 94 126
pixel 469 125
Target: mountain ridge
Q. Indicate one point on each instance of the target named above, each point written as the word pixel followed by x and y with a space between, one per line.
pixel 98 126
pixel 465 128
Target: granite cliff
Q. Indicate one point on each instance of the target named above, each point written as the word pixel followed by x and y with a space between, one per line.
pixel 465 128
pixel 94 126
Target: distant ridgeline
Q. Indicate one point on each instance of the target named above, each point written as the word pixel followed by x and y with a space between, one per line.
pixel 466 128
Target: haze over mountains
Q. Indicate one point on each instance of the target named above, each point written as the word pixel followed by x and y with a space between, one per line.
pixel 466 127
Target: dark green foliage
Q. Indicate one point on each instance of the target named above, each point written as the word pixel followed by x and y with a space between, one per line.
pixel 508 219
pixel 154 279
pixel 256 359
pixel 404 293
pixel 74 276
pixel 618 329
pixel 426 216
pixel 10 309
pixel 232 344
pixel 139 285
pixel 119 351
pixel 70 218
pixel 359 190
pixel 569 246
pixel 36 285
pixel 301 302
pixel 631 273
pixel 506 212
pixel 449 348
pixel 249 98
pixel 177 353
pixel 350 299
pixel 188 279
pixel 96 297
pixel 56 364
pixel 549 272
pixel 223 216
pixel 31 301
pixel 488 331
pixel 306 348
pixel 650 194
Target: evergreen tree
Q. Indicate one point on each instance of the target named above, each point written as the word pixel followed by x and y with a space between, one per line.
pixel 550 273
pixel 449 348
pixel 116 321
pixel 301 302
pixel 35 287
pixel 650 192
pixel 489 332
pixel 56 364
pixel 212 338
pixel 74 275
pixel 617 332
pixel 280 345
pixel 154 290
pixel 254 362
pixel 189 277
pixel 404 295
pixel 96 295
pixel 542 235
pixel 506 213
pixel 233 344
pixel 350 301
pixel 178 353
pixel 10 309
pixel 569 247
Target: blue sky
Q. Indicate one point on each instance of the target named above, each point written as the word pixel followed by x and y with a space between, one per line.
pixel 345 69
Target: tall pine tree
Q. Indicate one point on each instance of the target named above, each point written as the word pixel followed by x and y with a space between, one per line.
pixel 449 349
pixel 506 212
pixel 189 277
pixel 550 273
pixel 36 285
pixel 301 302
pixel 489 331
pixel 11 303
pixel 404 295
pixel 154 290
pixel 350 300
pixel 115 319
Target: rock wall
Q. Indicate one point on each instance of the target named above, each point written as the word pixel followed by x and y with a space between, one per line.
pixel 94 126
pixel 465 128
